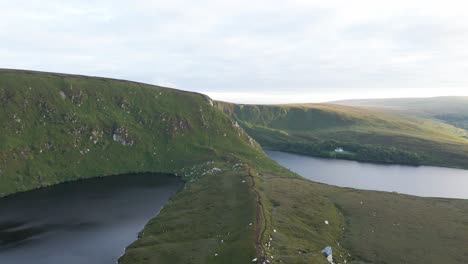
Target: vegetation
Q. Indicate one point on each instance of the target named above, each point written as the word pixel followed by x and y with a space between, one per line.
pixel 56 128
pixel 237 205
pixel 365 135
pixel 375 227
pixel 210 221
pixel 450 109
pixel 396 228
pixel 253 219
pixel 367 153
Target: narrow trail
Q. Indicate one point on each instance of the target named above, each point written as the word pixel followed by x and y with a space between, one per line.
pixel 260 214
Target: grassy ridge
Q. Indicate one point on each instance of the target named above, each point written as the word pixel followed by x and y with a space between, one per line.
pixel 450 109
pixel 56 128
pixel 375 136
pixel 239 213
pixel 206 223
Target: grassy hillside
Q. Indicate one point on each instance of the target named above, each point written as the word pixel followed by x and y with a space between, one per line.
pixel 395 228
pixel 206 223
pixel 367 135
pixel 376 227
pixel 237 205
pixel 451 109
pixel 57 127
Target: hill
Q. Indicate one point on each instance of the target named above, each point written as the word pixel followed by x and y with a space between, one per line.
pixel 236 205
pixel 364 134
pixel 450 109
pixel 58 127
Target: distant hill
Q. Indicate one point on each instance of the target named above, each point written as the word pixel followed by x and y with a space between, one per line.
pixel 451 109
pixel 367 134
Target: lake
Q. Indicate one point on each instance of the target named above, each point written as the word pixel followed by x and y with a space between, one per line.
pixel 88 221
pixel 421 181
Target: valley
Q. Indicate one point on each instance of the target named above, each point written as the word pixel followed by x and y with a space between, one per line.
pixel 365 134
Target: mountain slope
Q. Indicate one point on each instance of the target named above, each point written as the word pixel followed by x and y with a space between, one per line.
pixel 367 135
pixel 451 109
pixel 57 127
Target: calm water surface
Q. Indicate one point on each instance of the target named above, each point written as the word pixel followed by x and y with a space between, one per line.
pixel 421 181
pixel 89 221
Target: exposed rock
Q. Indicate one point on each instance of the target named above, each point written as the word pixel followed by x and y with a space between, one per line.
pixel 203 119
pixel 63 95
pixel 176 126
pixel 122 136
pixel 96 135
pixel 75 95
pixel 16 118
pixel 71 118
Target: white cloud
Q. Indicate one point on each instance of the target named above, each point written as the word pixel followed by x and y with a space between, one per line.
pixel 326 49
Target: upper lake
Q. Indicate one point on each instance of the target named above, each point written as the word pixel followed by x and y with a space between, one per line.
pixel 421 181
pixel 88 221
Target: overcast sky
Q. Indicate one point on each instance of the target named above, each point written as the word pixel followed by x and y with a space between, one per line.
pixel 250 51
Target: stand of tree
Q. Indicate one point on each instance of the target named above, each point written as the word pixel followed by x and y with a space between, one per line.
pixel 352 151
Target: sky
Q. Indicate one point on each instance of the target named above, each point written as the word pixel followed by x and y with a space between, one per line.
pixel 255 51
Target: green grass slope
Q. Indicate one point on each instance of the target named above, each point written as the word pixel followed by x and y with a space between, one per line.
pixel 396 228
pixel 450 109
pixel 373 227
pixel 208 222
pixel 367 135
pixel 56 127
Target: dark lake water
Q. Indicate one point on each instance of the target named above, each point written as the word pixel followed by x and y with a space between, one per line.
pixel 84 222
pixel 421 181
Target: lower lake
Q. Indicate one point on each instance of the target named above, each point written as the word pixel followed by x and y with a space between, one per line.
pixel 421 181
pixel 88 221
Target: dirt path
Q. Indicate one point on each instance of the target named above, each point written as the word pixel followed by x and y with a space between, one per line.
pixel 259 231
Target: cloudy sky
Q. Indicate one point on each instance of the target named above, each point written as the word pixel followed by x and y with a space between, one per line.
pixel 251 51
